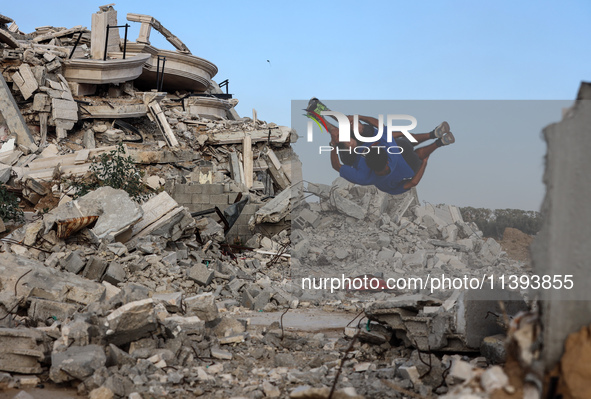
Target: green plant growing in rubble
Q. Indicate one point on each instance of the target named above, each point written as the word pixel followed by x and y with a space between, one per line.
pixel 9 209
pixel 113 169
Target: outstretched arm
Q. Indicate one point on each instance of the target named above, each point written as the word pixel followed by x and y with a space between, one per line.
pixel 417 177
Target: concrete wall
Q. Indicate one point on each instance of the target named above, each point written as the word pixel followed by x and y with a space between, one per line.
pixel 199 197
pixel 562 246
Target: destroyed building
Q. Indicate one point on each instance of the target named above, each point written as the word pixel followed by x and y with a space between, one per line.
pixel 68 95
pixel 195 291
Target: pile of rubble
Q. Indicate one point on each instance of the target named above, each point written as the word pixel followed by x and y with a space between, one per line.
pixel 124 299
pixel 63 102
pixel 133 304
pixel 359 229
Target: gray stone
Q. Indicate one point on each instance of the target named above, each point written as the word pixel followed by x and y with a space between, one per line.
pixel 131 322
pixel 74 263
pixel 221 354
pixel 120 385
pixel 192 325
pixel 115 274
pixel 42 309
pixel 284 360
pixel 22 350
pixel 118 357
pixel 409 373
pixel 44 282
pixel 247 300
pixel 88 140
pixel 490 251
pixel 273 211
pixel 5 172
pixel 320 190
pixel 117 248
pixel 228 326
pixel 13 117
pixel 202 306
pixel 386 254
pixel 306 217
pixel 200 274
pixel 493 348
pixel 116 210
pixel 77 362
pixel 172 301
pixel 170 259
pixel 347 206
pixel 415 260
pixel 95 268
pixel 474 305
pixel 262 299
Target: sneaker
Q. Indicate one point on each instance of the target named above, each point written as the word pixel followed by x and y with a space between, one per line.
pixel 448 138
pixel 315 105
pixel 441 130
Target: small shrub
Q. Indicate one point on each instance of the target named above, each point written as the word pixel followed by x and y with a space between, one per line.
pixel 9 209
pixel 116 170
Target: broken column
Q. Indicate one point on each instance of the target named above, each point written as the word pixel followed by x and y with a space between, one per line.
pixel 561 247
pixel 106 16
pixel 13 117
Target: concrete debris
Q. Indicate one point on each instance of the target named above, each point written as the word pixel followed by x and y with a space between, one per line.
pixel 128 298
pixel 131 322
pixel 76 362
pixel 23 350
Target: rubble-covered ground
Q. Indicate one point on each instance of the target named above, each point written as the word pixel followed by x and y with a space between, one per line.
pixel 173 318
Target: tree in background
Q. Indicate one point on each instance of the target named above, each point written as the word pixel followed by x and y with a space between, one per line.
pixel 492 223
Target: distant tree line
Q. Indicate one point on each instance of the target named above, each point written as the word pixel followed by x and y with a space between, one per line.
pixel 492 223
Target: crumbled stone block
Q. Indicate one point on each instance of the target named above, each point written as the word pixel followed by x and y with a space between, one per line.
pixel 200 274
pixel 76 363
pixel 221 354
pixel 95 268
pixel 74 263
pixel 131 322
pixel 115 273
pixel 202 306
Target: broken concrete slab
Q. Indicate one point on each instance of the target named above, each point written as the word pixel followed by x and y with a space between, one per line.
pixel 95 268
pixel 46 283
pixel 41 310
pixel 172 301
pixel 274 210
pixel 347 206
pixel 200 274
pixel 114 274
pixel 202 306
pixel 76 363
pixel 474 305
pixel 22 350
pixel 130 322
pixel 14 119
pixel 493 348
pixel 25 80
pixel 116 210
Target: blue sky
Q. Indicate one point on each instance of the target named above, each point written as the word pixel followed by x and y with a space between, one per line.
pixel 384 50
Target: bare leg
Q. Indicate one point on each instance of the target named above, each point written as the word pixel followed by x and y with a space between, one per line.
pixel 425 151
pixel 420 137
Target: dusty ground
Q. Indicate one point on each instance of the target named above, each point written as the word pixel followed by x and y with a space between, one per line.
pixel 516 244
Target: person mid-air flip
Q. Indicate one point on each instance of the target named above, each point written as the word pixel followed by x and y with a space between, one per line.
pixel 393 172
